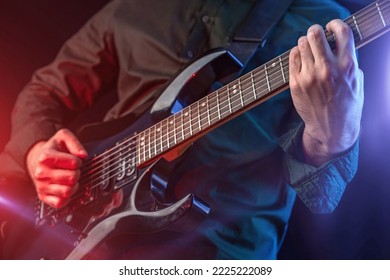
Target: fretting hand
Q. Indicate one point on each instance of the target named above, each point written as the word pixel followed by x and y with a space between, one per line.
pixel 327 91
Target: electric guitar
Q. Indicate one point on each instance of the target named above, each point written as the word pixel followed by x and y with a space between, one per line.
pixel 119 192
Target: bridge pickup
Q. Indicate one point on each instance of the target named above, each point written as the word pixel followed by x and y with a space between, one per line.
pixel 125 168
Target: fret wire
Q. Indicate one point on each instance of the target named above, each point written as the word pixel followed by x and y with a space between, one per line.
pixel 213 105
pixel 357 27
pixel 141 145
pixel 224 102
pixel 380 13
pixel 281 67
pixel 159 130
pixel 171 132
pixel 178 126
pixel 183 123
pixel 190 125
pixel 253 86
pixel 192 121
pixel 240 92
pixel 266 76
pixel 154 143
pixel 234 97
pixel 149 143
pixel 199 115
pixel 218 107
pixel 166 134
pixel 170 140
pixel 172 121
pixel 202 116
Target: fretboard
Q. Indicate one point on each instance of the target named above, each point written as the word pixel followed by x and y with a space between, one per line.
pixel 246 92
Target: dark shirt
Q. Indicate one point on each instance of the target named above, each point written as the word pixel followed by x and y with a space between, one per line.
pixel 248 170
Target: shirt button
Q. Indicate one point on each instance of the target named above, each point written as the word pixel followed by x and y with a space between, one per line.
pixel 205 19
pixel 190 54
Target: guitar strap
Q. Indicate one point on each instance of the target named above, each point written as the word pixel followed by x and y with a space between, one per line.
pixel 256 29
pixel 253 33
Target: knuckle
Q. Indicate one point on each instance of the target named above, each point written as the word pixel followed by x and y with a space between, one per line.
pixel 343 30
pixel 57 203
pixel 302 41
pixel 44 156
pixel 74 163
pixel 309 82
pixel 348 64
pixel 294 85
pixel 39 172
pixel 293 53
pixel 72 180
pixel 315 32
pixel 67 193
pixel 62 132
pixel 326 71
pixel 41 197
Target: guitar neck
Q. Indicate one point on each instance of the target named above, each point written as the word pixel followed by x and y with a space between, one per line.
pixel 246 92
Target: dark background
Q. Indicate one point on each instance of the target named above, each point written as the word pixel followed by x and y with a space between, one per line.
pixel 32 31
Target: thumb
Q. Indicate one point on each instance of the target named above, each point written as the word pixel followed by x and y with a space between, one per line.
pixel 69 142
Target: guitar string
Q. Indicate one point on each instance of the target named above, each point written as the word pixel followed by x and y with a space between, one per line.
pixel 124 148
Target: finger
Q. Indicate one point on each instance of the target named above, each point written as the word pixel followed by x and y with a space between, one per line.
pixel 295 62
pixel 59 160
pixel 65 138
pixel 295 66
pixel 306 54
pixel 318 43
pixel 54 201
pixel 344 37
pixel 61 191
pixel 57 176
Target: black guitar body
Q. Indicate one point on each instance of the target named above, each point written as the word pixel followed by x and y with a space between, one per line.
pixel 126 197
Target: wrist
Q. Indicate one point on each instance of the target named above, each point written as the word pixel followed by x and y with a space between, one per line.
pixel 319 149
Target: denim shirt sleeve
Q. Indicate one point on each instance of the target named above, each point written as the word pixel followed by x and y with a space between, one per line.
pixel 319 188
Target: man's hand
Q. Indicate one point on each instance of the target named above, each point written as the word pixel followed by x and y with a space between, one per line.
pixel 54 167
pixel 327 91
